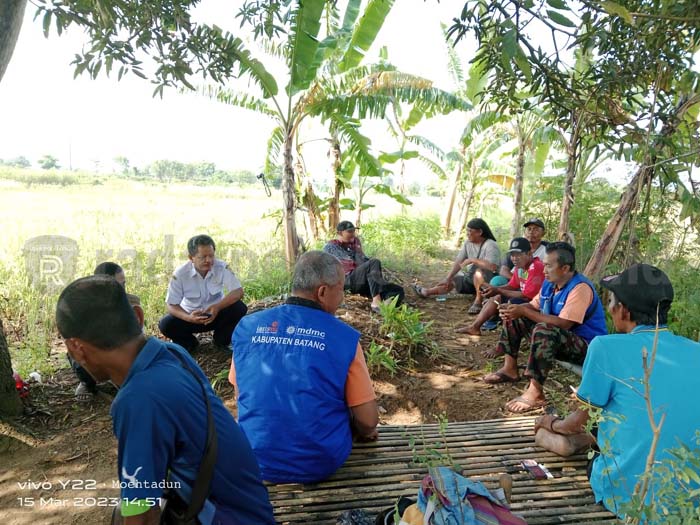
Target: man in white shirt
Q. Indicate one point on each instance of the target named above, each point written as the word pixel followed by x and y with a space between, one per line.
pixel 203 295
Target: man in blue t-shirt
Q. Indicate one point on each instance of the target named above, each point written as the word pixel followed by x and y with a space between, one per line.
pixel 159 414
pixel 613 380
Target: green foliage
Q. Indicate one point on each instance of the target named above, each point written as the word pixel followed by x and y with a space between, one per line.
pixel 30 179
pixel 595 203
pixel 402 241
pixel 407 331
pixel 675 486
pixel 684 318
pixel 48 162
pixel 17 162
pixel 435 454
pixel 379 357
pixel 125 35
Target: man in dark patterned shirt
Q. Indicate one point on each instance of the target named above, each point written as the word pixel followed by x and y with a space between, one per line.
pixel 362 275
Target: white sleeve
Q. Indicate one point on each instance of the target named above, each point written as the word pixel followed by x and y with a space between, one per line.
pixel 175 293
pixel 231 282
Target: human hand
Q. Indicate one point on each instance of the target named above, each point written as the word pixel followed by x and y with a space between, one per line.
pixel 210 314
pixel 510 312
pixel 198 317
pixel 488 291
pixel 466 262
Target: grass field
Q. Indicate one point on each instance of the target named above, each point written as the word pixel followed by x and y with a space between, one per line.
pixel 144 227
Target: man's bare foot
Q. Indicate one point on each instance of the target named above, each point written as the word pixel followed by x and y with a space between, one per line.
pixel 469 330
pixel 563 445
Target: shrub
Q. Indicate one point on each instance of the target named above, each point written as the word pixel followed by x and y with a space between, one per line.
pixel 400 241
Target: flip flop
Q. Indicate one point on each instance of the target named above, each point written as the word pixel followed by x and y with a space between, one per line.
pixel 375 309
pixel 83 393
pixel 474 309
pixel 501 377
pixel 419 291
pixel 529 405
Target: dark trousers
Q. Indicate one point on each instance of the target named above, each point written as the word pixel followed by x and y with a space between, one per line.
pixel 82 375
pixel 181 332
pixel 547 343
pixel 367 280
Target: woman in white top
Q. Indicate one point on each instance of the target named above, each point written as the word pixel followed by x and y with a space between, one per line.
pixel 475 264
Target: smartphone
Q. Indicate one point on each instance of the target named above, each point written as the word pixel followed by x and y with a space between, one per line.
pixel 535 470
pixel 205 314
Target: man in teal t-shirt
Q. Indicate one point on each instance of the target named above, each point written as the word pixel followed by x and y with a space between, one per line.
pixel 613 380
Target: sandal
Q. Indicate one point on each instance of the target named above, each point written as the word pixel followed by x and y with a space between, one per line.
pixel 474 309
pixel 527 405
pixel 419 291
pixel 83 394
pixel 500 377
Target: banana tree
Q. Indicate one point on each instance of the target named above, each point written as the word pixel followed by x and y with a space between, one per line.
pixel 534 139
pixel 340 100
pixel 472 146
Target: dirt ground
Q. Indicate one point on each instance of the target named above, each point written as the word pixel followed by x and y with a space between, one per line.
pixel 61 466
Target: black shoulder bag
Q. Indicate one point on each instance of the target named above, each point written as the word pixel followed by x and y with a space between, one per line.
pixel 175 510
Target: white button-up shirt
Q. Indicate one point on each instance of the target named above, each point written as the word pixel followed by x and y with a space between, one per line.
pixel 191 291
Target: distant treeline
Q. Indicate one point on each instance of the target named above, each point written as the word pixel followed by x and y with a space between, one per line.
pixel 161 170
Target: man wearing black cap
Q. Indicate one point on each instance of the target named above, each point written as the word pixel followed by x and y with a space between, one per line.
pixel 534 231
pixel 522 287
pixel 613 380
pixel 362 275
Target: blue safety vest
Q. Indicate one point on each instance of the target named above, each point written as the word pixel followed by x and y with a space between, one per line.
pixel 552 304
pixel 291 366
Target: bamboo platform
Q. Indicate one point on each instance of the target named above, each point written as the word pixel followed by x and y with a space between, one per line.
pixel 376 474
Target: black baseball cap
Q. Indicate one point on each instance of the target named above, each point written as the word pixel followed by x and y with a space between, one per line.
pixel 345 225
pixel 536 222
pixel 641 287
pixel 519 245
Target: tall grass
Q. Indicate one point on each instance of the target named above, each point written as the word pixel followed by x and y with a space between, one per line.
pixel 403 242
pixel 142 227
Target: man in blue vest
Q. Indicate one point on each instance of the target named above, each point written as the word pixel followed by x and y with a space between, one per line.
pixel 301 377
pixel 159 414
pixel 559 323
pixel 613 381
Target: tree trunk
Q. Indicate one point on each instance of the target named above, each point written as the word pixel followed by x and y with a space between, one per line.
pixel 464 216
pixel 10 403
pixel 568 199
pixel 11 17
pixel 334 207
pixel 607 243
pixel 606 246
pixel 454 187
pixel 291 239
pixel 518 187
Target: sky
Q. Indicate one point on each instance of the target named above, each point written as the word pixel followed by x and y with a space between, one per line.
pixel 86 123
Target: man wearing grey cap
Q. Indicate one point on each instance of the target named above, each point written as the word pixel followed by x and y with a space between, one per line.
pixel 613 381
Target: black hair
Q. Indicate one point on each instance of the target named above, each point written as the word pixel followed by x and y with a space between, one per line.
pixel 566 254
pixel 199 240
pixel 480 224
pixel 646 318
pixel 108 268
pixel 96 309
